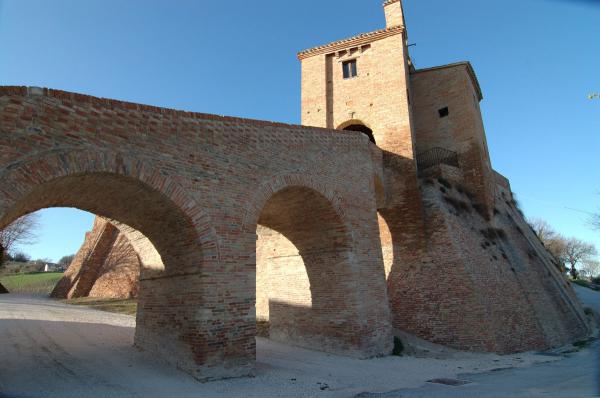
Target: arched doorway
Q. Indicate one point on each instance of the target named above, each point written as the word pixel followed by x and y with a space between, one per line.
pixel 360 127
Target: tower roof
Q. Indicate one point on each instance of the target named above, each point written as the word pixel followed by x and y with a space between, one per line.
pixel 363 38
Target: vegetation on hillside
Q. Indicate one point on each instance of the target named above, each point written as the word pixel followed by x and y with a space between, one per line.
pixel 40 283
pixel 578 255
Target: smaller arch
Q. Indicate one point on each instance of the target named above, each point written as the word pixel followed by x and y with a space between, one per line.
pixel 144 248
pixel 304 258
pixel 279 182
pixel 357 125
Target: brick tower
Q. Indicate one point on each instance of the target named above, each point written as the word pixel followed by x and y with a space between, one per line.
pixel 363 84
pixel 457 253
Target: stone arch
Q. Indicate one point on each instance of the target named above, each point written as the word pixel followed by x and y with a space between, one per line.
pixel 360 126
pixel 89 181
pixel 150 258
pixel 279 182
pixel 148 200
pixel 309 228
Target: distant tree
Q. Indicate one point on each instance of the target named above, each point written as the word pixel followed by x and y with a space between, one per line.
pixel 39 264
pixel 554 242
pixel 542 229
pixel 65 261
pixel 21 257
pixel 22 231
pixel 577 252
pixel 590 268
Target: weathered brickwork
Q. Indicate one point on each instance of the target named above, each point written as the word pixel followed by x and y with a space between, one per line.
pixel 455 88
pixel 105 266
pixel 495 286
pixel 442 284
pixel 334 239
pixel 196 186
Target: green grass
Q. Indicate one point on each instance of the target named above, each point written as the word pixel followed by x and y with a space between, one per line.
pixel 34 283
pixel 119 306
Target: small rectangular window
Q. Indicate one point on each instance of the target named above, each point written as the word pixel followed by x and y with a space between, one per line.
pixel 444 112
pixel 349 68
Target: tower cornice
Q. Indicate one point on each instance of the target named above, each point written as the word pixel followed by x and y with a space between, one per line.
pixel 364 38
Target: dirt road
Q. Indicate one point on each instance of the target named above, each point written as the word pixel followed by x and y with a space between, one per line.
pixel 49 349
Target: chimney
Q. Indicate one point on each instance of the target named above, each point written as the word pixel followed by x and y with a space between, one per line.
pixel 394 14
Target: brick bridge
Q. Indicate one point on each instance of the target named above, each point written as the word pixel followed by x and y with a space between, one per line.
pixel 190 191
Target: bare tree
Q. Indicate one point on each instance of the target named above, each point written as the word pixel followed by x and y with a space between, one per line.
pixel 542 229
pixel 22 231
pixel 65 261
pixel 20 257
pixel 576 252
pixel 590 268
pixel 554 242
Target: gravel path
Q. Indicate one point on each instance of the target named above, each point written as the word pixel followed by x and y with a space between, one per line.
pixel 50 349
pixel 578 375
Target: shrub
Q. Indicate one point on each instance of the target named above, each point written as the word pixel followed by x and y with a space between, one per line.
pixel 444 182
pixel 583 343
pixel 21 257
pixel 398 346
pixel 480 209
pixel 519 229
pixel 493 233
pixel 459 205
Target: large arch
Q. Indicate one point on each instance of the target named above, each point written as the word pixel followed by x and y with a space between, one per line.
pixel 146 202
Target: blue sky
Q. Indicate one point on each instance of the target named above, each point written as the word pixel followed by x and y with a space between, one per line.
pixel 537 60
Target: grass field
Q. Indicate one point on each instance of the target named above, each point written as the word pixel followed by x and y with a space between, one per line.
pixel 128 306
pixel 35 283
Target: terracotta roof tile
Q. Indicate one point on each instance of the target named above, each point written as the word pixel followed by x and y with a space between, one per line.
pixel 363 38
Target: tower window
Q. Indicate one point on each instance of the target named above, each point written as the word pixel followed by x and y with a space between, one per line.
pixel 444 112
pixel 349 68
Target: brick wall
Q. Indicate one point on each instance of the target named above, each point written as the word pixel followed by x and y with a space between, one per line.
pixel 106 266
pixel 454 87
pixel 196 186
pixel 119 275
pixel 484 285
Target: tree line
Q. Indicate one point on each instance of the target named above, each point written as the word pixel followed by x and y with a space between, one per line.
pixel 24 231
pixel 574 256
